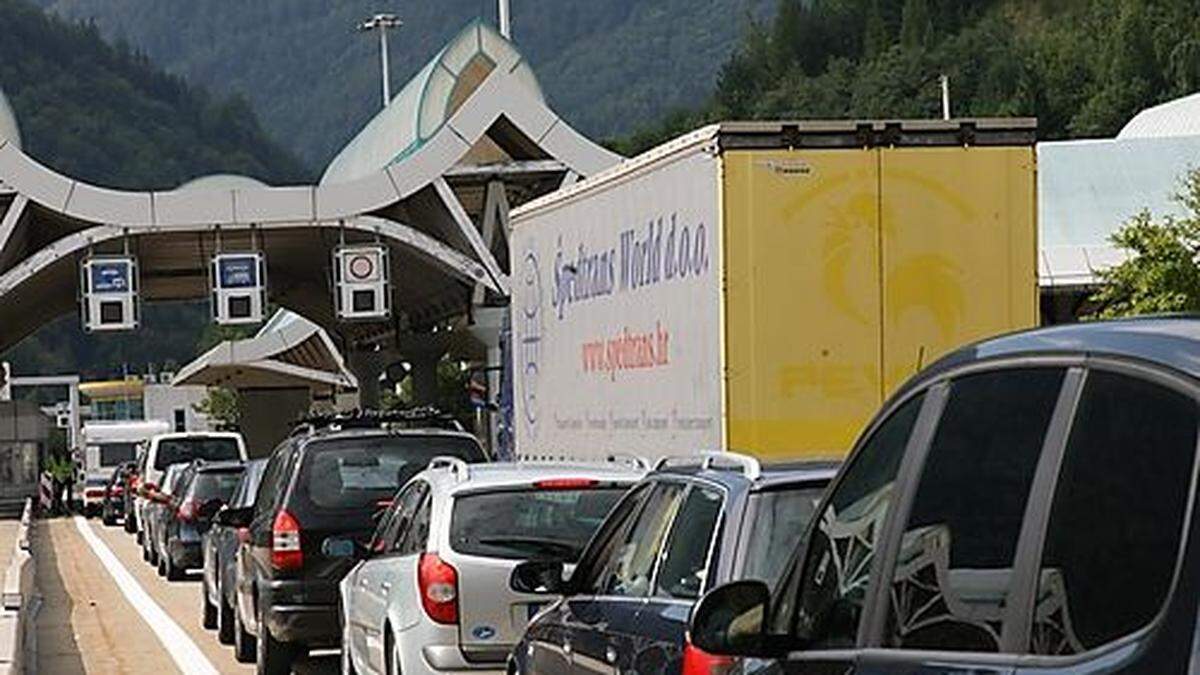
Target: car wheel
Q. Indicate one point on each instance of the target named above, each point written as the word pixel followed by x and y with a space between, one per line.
pixel 172 571
pixel 225 625
pixel 108 518
pixel 274 657
pixel 208 610
pixel 244 647
pixel 130 523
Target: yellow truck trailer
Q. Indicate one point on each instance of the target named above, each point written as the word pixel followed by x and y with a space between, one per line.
pixel 765 286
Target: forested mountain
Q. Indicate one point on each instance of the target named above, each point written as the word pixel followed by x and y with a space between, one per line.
pixel 1082 67
pixel 109 117
pixel 609 67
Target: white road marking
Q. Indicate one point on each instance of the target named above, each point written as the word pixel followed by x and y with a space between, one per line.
pixel 183 650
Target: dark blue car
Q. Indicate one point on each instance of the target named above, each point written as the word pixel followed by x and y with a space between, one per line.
pixel 690 525
pixel 1025 506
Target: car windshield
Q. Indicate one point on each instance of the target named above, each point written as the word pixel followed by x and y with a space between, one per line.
pixel 519 524
pixel 112 454
pixel 781 518
pixel 215 485
pixel 176 450
pixel 356 473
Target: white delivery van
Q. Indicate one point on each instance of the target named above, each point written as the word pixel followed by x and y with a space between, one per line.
pixel 166 449
pixel 106 446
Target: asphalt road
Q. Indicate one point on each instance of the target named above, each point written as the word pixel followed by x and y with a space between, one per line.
pixel 91 623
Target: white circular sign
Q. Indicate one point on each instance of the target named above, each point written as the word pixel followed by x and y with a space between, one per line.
pixel 361 267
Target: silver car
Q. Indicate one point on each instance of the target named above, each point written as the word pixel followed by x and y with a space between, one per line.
pixel 432 593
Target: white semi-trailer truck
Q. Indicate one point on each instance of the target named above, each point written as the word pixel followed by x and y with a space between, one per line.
pixel 764 286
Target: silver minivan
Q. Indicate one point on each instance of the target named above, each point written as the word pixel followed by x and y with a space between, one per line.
pixel 432 593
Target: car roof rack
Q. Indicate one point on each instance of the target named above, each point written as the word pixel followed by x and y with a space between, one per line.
pixel 708 460
pixel 455 465
pixel 629 459
pixel 408 418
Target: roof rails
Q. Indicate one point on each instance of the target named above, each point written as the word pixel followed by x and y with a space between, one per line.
pixel 708 460
pixel 409 418
pixel 635 461
pixel 453 464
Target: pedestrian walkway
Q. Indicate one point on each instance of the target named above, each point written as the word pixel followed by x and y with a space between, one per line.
pixel 8 540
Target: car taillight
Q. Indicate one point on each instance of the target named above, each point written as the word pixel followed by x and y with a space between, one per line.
pixel 699 662
pixel 438 583
pixel 187 510
pixel 565 484
pixel 285 542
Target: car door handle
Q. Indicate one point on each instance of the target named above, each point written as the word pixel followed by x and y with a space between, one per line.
pixel 386 585
pixel 611 655
pixel 363 582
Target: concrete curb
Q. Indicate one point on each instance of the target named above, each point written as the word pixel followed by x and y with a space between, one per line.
pixel 19 610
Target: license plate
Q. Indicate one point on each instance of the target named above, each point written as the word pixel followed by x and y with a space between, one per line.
pixel 532 609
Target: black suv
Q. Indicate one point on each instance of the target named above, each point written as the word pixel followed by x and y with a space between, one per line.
pixel 1025 505
pixel 693 523
pixel 329 480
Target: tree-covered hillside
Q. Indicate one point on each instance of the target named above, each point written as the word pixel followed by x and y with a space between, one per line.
pixel 107 115
pixel 609 67
pixel 1082 67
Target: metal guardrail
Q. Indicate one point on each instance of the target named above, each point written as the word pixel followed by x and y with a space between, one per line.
pixel 20 604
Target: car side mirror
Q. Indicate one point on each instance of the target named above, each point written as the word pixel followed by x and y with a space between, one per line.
pixel 334 547
pixel 543 577
pixel 235 517
pixel 731 620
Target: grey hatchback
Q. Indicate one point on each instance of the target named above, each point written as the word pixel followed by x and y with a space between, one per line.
pixel 1024 506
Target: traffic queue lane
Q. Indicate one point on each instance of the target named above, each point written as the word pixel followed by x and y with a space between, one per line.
pixel 88 624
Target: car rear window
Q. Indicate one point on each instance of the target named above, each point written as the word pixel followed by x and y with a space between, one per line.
pixel 215 485
pixel 176 450
pixel 519 524
pixel 112 454
pixel 781 517
pixel 356 473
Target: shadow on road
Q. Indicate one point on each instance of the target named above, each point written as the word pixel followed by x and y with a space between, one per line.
pixel 57 651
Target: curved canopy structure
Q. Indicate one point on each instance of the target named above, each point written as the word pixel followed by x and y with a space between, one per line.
pixel 1180 117
pixel 288 351
pixel 425 201
pixel 8 122
pixel 426 103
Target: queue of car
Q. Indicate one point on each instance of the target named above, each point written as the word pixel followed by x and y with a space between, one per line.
pixel 1021 506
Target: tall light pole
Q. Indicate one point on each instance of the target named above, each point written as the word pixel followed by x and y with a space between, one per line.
pixel 381 23
pixel 505 20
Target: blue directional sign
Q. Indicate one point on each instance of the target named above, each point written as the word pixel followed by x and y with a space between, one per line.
pixel 110 276
pixel 238 272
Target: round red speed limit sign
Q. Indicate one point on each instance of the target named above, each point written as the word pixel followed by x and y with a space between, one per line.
pixel 361 267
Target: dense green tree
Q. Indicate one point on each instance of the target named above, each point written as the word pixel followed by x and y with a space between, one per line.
pixel 1161 273
pixel 875 36
pixel 916 25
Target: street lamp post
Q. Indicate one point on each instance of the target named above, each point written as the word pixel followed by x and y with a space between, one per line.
pixel 505 17
pixel 381 23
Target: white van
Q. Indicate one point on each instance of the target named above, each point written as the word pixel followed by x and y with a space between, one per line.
pixel 166 449
pixel 106 446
